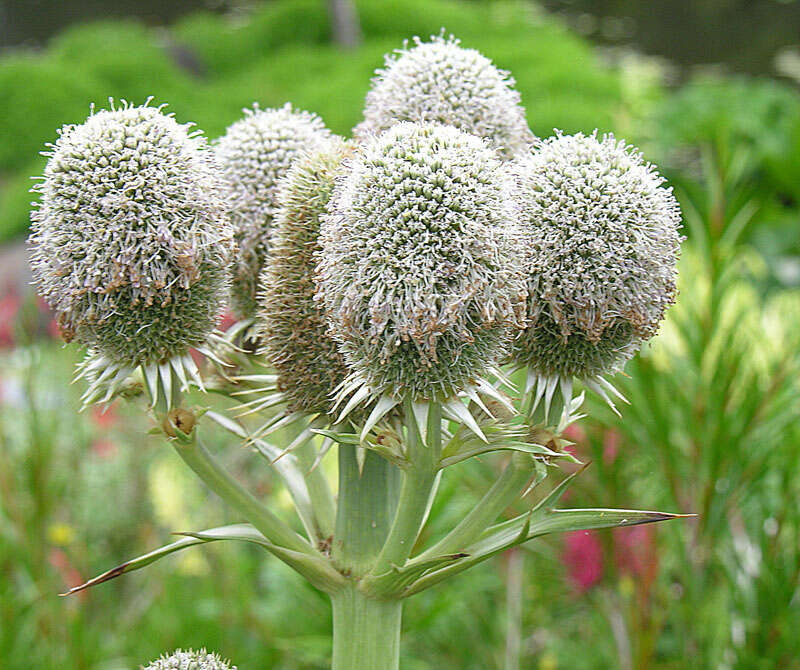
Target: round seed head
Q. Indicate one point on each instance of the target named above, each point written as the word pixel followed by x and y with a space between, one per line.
pixel 419 270
pixel 131 242
pixel 190 660
pixel 441 82
pixel 293 327
pixel 255 153
pixel 603 242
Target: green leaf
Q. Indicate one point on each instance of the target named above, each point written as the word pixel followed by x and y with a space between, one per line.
pixel 397 579
pixel 314 568
pixel 500 437
pixel 390 449
pixel 153 556
pixel 540 520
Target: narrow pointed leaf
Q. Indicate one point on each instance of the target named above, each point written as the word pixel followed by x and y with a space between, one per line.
pixel 384 405
pixel 152 556
pixel 459 412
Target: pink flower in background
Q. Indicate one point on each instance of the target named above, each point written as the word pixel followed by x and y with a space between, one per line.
pixel 583 558
pixel 9 307
pixel 104 448
pixel 69 574
pixel 611 440
pixel 104 418
pixel 575 433
pixel 635 551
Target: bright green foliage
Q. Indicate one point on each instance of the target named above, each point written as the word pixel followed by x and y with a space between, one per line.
pixel 230 64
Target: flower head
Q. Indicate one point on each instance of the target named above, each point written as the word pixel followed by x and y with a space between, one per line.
pixel 130 242
pixel 418 271
pixel 440 81
pixel 602 232
pixel 190 660
pixel 255 153
pixel 294 331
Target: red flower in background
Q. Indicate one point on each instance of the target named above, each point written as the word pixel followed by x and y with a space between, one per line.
pixel 635 551
pixel 9 308
pixel 104 418
pixel 583 558
pixel 611 440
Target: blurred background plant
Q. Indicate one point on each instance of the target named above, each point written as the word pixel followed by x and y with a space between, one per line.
pixel 712 427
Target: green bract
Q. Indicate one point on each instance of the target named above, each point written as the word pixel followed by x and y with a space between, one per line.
pixel 255 153
pixel 131 243
pixel 307 360
pixel 439 81
pixel 602 234
pixel 419 272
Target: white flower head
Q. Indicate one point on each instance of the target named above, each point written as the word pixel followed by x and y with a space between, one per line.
pixel 602 232
pixel 131 243
pixel 190 660
pixel 441 82
pixel 419 270
pixel 255 153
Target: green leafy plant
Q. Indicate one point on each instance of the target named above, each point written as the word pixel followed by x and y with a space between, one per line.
pixel 430 266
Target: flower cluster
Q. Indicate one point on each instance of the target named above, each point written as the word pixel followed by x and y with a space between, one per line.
pixel 131 242
pixel 602 232
pixel 308 362
pixel 441 82
pixel 190 660
pixel 255 153
pixel 418 271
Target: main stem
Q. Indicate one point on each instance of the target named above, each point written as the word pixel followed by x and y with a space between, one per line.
pixel 366 631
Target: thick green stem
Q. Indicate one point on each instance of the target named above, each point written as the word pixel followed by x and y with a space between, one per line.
pixel 226 487
pixel 366 632
pixel 416 490
pixel 367 502
pixel 503 492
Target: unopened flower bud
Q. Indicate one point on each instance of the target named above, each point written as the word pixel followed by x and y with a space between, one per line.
pixel 441 82
pixel 255 153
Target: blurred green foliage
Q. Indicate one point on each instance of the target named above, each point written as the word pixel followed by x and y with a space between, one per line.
pixel 711 429
pixel 208 67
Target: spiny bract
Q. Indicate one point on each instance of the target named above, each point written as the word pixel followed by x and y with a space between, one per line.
pixel 307 360
pixel 130 242
pixel 255 153
pixel 419 272
pixel 603 242
pixel 441 82
pixel 190 660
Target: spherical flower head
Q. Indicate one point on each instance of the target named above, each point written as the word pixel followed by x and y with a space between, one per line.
pixel 190 660
pixel 441 82
pixel 419 270
pixel 255 153
pixel 294 331
pixel 603 242
pixel 131 242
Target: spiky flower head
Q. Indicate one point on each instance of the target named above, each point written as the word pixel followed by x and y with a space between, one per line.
pixel 190 660
pixel 255 153
pixel 131 242
pixel 294 331
pixel 419 269
pixel 602 232
pixel 440 81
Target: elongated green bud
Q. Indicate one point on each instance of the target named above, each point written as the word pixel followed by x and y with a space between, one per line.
pixel 293 327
